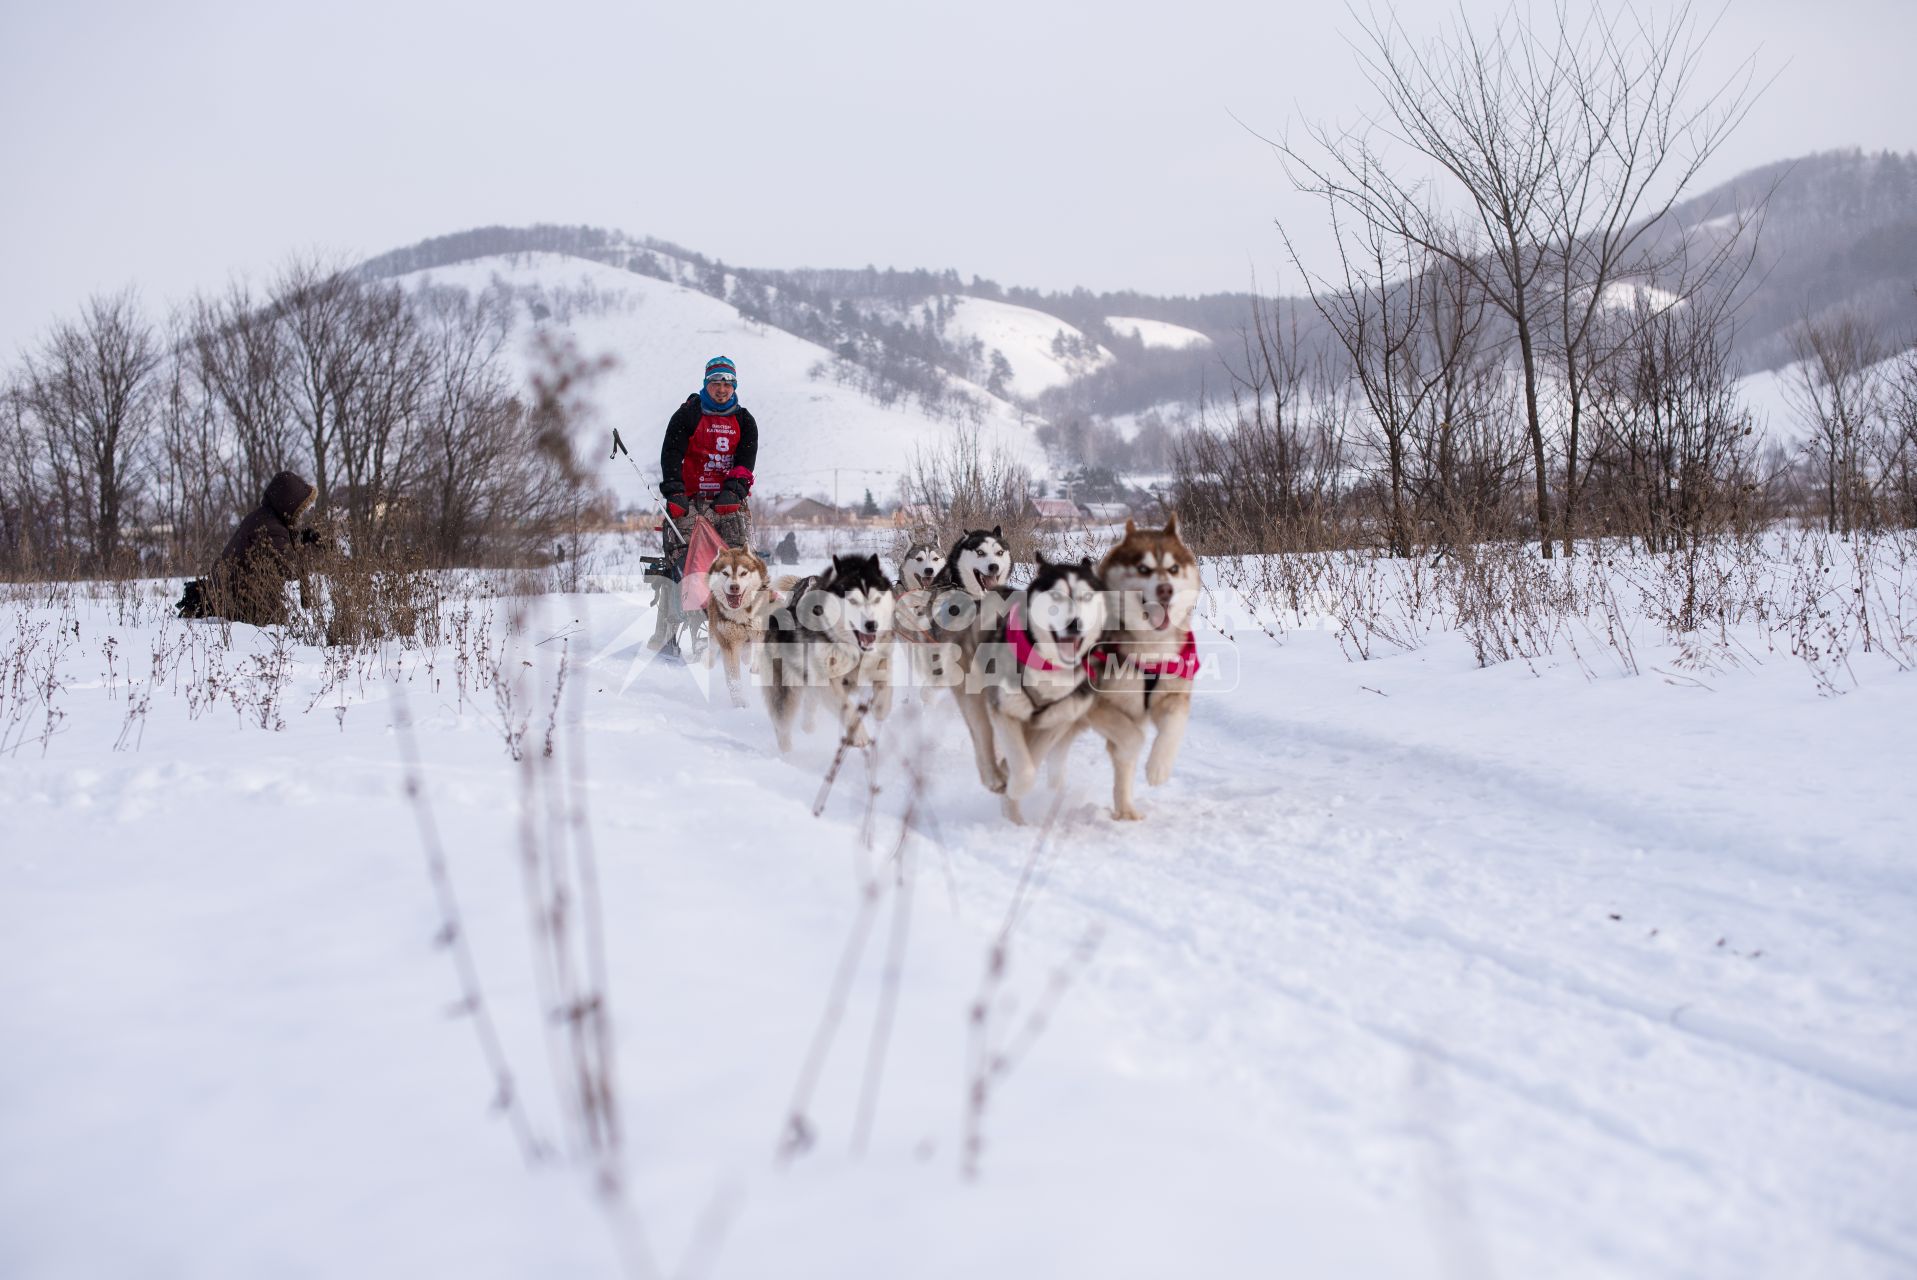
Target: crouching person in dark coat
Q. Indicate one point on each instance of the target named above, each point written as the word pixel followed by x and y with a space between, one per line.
pixel 248 582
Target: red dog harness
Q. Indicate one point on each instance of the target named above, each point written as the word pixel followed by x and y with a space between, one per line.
pixel 1182 667
pixel 1027 654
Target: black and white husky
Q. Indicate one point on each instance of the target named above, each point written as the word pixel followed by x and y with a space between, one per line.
pixel 968 600
pixel 919 565
pixel 1036 670
pixel 832 641
pixel 978 562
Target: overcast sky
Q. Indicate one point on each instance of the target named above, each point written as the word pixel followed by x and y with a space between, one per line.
pixel 173 144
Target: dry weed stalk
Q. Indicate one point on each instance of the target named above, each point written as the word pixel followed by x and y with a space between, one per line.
pixel 452 937
pixel 800 1133
pixel 997 1040
pixel 139 700
pixel 566 923
pixel 1821 598
pixel 32 678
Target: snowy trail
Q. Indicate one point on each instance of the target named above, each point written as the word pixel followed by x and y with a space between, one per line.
pixel 1632 997
pixel 1400 916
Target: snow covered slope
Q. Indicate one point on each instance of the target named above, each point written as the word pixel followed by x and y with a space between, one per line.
pixel 1158 333
pixel 1027 339
pixel 1775 399
pixel 661 335
pixel 1626 295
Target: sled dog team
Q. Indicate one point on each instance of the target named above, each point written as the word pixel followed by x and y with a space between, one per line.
pixel 1106 647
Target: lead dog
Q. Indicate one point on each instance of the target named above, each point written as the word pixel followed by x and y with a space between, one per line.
pixel 1041 684
pixel 1149 658
pixel 741 597
pixel 831 639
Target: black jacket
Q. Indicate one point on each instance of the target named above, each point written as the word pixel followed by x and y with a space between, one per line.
pixel 262 555
pixel 672 454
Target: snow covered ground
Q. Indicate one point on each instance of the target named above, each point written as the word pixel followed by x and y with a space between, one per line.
pixel 1415 968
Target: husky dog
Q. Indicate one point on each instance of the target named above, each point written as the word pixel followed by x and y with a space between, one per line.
pixel 1042 682
pixel 977 563
pixel 1149 658
pixel 912 621
pixel 736 610
pixel 831 638
pixel 968 600
pixel 920 564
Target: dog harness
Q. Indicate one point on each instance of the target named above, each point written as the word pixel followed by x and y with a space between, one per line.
pixel 913 634
pixel 1183 667
pixel 1027 654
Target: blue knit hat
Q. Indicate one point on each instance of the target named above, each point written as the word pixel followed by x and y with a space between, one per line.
pixel 721 367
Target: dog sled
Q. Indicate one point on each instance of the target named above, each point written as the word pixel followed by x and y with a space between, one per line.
pixel 678 581
pixel 677 576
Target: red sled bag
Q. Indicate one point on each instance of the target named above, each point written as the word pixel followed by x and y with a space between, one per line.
pixel 702 548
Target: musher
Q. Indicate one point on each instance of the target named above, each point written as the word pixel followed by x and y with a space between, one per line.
pixel 705 466
pixel 711 446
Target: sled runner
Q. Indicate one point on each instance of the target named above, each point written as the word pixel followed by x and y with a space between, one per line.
pixel 677 576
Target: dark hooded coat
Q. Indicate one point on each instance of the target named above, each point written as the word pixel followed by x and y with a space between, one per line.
pixel 248 580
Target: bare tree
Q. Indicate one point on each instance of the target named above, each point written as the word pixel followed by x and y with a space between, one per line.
pixel 1376 310
pixel 1836 393
pixel 237 355
pixel 317 306
pixel 192 491
pixel 1557 143
pixel 19 491
pixel 92 387
pixel 1673 450
pixel 469 420
pixel 380 403
pixel 1470 449
pixel 1640 131
pixel 970 483
pixel 1898 466
pixel 1266 479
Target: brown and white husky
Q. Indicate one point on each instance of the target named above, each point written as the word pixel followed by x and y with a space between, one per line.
pixel 736 611
pixel 1149 658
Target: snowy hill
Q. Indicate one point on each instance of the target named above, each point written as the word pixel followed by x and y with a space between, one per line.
pixel 1158 333
pixel 1838 237
pixel 1044 352
pixel 1774 398
pixel 660 334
